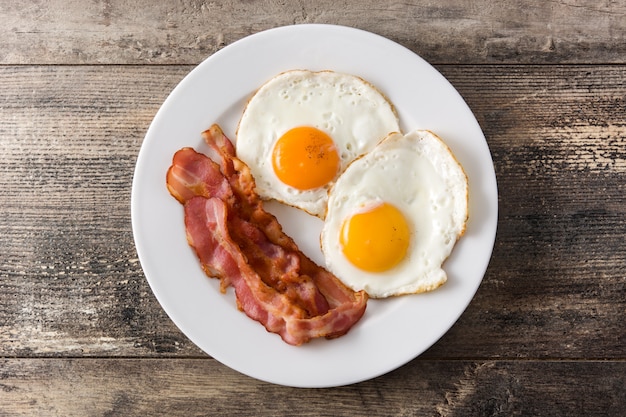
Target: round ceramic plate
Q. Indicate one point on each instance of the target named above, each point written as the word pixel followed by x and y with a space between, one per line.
pixel 392 331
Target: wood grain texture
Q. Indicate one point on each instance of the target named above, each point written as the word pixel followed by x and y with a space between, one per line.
pixel 70 273
pixel 558 272
pixel 70 282
pixel 155 387
pixel 187 31
pixel 81 333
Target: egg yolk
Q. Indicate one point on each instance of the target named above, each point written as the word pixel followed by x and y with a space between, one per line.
pixel 377 239
pixel 305 158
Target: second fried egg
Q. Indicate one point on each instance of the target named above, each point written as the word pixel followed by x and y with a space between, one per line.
pixel 394 216
pixel 301 129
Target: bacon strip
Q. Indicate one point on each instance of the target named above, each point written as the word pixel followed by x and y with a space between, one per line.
pixel 207 233
pixel 277 267
pixel 242 182
pixel 192 174
pixel 237 241
pixel 243 185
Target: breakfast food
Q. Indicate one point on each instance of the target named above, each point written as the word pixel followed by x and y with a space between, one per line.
pixel 394 216
pixel 244 246
pixel 393 205
pixel 301 129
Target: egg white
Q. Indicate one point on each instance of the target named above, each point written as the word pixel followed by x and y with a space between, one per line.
pixel 418 174
pixel 347 108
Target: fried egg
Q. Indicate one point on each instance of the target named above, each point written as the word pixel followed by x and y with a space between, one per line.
pixel 395 215
pixel 301 129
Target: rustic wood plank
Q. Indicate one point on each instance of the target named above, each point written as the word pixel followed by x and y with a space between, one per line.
pixel 186 32
pixel 70 273
pixel 132 387
pixel 70 283
pixel 558 139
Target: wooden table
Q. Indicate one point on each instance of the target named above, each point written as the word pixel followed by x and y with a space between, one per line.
pixel 82 334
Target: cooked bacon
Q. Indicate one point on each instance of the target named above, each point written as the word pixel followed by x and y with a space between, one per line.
pixel 243 185
pixel 192 174
pixel 277 267
pixel 242 182
pixel 207 232
pixel 239 242
pixel 223 147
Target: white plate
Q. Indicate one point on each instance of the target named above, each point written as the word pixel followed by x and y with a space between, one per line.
pixel 392 331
